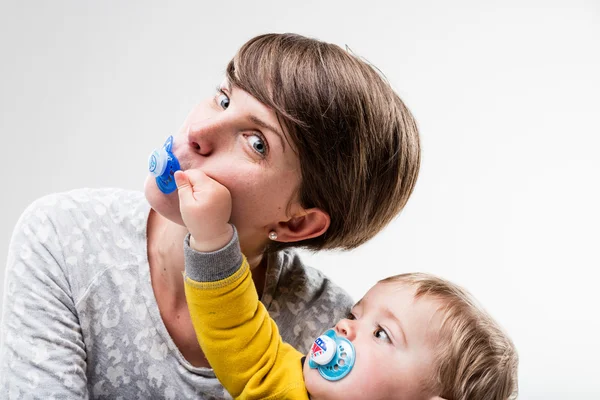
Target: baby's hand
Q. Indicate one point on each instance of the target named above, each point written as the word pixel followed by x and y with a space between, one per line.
pixel 205 207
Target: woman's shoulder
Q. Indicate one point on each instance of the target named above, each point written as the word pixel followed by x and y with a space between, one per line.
pixel 81 207
pixel 85 220
pixel 78 233
pixel 83 198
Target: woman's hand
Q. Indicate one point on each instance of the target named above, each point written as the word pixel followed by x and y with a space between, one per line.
pixel 205 207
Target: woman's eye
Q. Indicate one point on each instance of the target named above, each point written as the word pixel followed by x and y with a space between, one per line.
pixel 381 334
pixel 258 144
pixel 223 101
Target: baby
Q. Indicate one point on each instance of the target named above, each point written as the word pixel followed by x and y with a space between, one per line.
pixel 412 336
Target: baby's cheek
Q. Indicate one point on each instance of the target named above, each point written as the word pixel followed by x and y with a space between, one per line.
pixel 369 376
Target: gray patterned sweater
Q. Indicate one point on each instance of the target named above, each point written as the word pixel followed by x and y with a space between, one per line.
pixel 80 319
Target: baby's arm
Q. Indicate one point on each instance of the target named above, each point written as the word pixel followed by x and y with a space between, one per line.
pixel 239 339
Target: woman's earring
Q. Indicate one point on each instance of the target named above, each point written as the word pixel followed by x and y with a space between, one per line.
pixel 273 235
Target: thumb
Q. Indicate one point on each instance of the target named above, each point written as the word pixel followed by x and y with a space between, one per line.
pixel 184 189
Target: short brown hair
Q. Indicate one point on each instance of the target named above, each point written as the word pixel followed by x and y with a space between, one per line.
pixel 357 142
pixel 475 359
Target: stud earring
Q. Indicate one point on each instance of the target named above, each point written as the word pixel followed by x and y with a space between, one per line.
pixel 273 235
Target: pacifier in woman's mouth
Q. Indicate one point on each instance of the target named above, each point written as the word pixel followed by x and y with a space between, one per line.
pixel 332 355
pixel 162 164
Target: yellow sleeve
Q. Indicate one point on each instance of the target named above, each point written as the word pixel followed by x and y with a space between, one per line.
pixel 241 341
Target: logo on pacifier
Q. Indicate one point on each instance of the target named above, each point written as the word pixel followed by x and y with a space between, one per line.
pixel 319 347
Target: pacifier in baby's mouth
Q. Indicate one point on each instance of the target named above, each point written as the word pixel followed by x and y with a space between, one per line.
pixel 332 355
pixel 162 164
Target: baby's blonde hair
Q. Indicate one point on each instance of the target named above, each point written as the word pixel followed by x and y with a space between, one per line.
pixel 475 359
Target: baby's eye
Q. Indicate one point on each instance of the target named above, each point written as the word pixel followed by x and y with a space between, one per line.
pixel 258 144
pixel 223 100
pixel 350 316
pixel 380 333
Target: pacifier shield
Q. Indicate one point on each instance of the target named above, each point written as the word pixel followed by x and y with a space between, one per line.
pixel 332 355
pixel 163 164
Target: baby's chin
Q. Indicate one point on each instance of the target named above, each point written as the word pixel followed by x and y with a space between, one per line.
pixel 167 205
pixel 311 377
pixel 317 386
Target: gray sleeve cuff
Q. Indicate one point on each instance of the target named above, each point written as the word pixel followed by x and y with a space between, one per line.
pixel 215 265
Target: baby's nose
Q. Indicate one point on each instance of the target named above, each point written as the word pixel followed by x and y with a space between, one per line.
pixel 345 328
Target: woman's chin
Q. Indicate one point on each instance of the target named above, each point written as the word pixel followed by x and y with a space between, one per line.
pixel 167 205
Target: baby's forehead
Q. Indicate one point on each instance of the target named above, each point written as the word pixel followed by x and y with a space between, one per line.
pixel 402 300
pixel 393 293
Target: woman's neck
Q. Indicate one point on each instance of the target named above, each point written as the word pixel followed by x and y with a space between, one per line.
pixel 167 263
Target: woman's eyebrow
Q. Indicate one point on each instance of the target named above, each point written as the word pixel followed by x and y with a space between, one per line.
pixel 270 127
pixel 259 121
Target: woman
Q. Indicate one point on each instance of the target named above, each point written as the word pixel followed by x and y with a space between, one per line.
pixel 315 149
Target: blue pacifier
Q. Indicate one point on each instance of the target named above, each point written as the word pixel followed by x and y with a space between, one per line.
pixel 162 165
pixel 332 355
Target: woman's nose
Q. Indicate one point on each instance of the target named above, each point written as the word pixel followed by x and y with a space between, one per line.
pixel 201 138
pixel 346 329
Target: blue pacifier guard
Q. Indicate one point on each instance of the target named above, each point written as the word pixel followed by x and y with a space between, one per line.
pixel 162 164
pixel 332 355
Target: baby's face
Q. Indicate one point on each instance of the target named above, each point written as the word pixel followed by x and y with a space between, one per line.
pixel 394 336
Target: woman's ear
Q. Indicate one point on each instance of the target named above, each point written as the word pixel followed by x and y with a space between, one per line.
pixel 310 223
pixel 437 398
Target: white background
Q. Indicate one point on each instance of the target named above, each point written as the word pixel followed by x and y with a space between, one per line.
pixel 506 95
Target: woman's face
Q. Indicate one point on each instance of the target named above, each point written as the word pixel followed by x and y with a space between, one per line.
pixel 237 141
